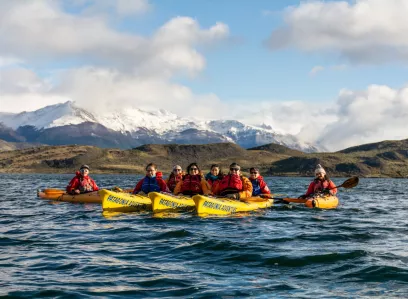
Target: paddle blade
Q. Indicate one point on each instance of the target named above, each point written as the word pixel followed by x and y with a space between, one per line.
pixel 350 183
pixel 254 199
pixel 53 191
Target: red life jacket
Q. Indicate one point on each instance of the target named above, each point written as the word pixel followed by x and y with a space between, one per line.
pixel 191 185
pixel 173 180
pixel 85 184
pixel 231 183
pixel 319 185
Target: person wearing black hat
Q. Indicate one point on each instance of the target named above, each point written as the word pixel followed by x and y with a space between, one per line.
pixel 82 182
pixel 234 185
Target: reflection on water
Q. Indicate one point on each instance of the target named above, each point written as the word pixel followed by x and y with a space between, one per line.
pixel 51 249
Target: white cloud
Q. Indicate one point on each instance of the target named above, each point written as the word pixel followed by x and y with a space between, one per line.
pixel 315 70
pixel 287 117
pixel 101 89
pixel 366 31
pixel 373 115
pixel 120 7
pixel 121 68
pixel 39 31
pixel 318 68
pixel 353 118
pixel 6 61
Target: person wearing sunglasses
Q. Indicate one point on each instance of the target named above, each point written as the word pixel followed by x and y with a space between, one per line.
pixel 175 176
pixel 82 182
pixel 152 182
pixel 234 185
pixel 214 176
pixel 259 186
pixel 193 182
pixel 321 184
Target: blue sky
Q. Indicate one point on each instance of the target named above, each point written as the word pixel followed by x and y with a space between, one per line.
pixel 243 68
pixel 315 70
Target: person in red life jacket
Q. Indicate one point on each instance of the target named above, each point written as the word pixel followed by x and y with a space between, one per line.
pixel 175 176
pixel 259 186
pixel 82 182
pixel 214 176
pixel 152 182
pixel 193 182
pixel 234 185
pixel 321 184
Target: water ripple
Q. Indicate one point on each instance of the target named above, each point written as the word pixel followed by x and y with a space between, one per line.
pixel 61 250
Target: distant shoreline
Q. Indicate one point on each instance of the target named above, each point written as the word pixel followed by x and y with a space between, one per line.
pixel 388 159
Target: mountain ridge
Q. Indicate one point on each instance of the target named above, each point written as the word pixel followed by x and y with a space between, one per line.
pixel 144 127
pixel 386 160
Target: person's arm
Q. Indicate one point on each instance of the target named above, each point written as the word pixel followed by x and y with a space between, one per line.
pixel 138 187
pixel 246 188
pixel 205 187
pixel 73 184
pixel 163 186
pixel 94 185
pixel 310 190
pixel 332 187
pixel 177 188
pixel 215 188
pixel 264 188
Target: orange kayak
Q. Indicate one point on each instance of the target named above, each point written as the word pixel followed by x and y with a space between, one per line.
pixel 61 195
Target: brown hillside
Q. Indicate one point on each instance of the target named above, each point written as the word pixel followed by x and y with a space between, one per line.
pixel 63 159
pixel 388 159
pixel 277 149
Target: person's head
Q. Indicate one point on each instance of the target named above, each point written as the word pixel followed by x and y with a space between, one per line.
pixel 254 172
pixel 177 169
pixel 235 169
pixel 84 170
pixel 193 169
pixel 151 170
pixel 320 173
pixel 215 169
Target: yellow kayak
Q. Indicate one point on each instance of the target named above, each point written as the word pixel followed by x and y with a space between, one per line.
pixel 124 202
pixel 170 202
pixel 323 202
pixel 226 206
pixel 61 195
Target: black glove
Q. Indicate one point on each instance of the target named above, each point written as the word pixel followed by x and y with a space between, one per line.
pixel 326 191
pixel 302 196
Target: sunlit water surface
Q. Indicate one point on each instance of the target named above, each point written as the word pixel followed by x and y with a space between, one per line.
pixel 65 250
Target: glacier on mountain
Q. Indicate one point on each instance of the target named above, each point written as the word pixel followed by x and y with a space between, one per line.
pixel 156 126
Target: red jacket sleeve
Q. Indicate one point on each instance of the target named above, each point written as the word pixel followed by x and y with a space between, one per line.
pixel 310 190
pixel 333 188
pixel 264 187
pixel 138 187
pixel 163 186
pixel 73 184
pixel 94 186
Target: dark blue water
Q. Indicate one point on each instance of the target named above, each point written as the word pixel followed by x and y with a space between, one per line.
pixel 64 250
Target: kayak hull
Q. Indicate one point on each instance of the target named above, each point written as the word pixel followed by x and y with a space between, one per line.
pixel 124 202
pixel 61 195
pixel 326 202
pixel 169 202
pixel 225 206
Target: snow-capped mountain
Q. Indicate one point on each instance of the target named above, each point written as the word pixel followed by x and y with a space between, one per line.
pixel 140 127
